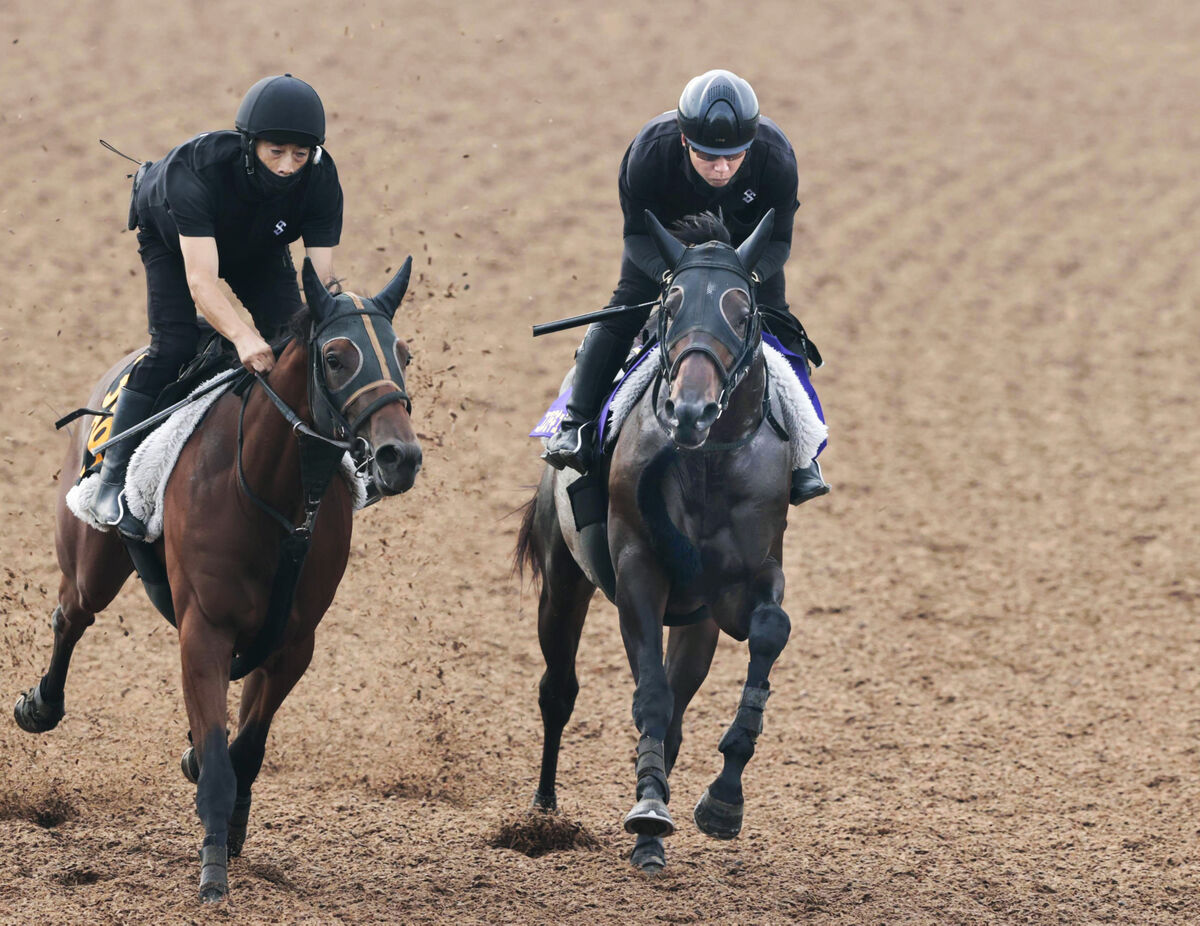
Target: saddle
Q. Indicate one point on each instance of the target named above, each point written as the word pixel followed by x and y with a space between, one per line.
pixel 214 355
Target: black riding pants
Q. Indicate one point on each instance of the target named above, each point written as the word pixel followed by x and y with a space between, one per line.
pixel 266 287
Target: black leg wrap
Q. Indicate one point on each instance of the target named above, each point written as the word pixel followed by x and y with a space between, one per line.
pixel 749 720
pixel 652 764
pixel 214 873
pixel 650 816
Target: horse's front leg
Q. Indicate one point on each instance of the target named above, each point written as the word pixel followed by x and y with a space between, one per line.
pixel 719 812
pixel 642 590
pixel 689 655
pixel 206 653
pixel 263 693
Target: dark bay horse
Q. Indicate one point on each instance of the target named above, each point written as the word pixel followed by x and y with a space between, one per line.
pixel 231 504
pixel 697 506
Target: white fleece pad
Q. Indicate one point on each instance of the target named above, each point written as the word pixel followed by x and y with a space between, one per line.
pixel 152 462
pixel 789 402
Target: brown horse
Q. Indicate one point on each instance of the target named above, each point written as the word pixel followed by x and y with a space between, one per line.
pixel 697 506
pixel 241 483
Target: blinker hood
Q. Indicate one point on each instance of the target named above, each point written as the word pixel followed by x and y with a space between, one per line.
pixel 367 324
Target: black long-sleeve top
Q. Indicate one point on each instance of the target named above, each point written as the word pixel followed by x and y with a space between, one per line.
pixel 657 174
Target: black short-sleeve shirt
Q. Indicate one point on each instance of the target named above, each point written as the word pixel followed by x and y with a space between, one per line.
pixel 200 189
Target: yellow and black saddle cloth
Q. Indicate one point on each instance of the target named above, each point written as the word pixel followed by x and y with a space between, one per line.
pixel 102 424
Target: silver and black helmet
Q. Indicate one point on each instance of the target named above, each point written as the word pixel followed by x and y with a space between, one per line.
pixel 718 113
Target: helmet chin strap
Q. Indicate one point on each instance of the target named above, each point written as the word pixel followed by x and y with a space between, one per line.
pixel 248 155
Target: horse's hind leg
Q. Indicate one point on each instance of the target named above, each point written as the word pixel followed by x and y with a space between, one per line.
pixel 264 691
pixel 562 608
pixel 206 653
pixel 719 812
pixel 83 591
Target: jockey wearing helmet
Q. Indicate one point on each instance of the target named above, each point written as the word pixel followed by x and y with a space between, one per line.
pixel 714 153
pixel 225 205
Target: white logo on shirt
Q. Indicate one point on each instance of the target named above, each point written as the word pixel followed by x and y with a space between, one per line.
pixel 749 196
pixel 281 225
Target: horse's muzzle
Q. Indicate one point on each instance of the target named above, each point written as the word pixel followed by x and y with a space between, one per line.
pixel 690 420
pixel 396 466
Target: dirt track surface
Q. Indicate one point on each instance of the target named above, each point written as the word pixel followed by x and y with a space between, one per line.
pixel 988 710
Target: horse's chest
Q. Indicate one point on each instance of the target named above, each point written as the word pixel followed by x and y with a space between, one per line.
pixel 726 526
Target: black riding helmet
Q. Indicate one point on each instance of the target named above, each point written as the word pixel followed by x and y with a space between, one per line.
pixel 718 113
pixel 281 109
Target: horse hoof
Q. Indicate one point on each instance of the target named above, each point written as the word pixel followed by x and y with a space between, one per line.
pixel 716 818
pixel 544 803
pixel 648 855
pixel 649 817
pixel 214 874
pixel 35 715
pixel 190 765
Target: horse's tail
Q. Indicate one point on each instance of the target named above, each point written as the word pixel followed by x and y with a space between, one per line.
pixel 526 551
pixel 678 554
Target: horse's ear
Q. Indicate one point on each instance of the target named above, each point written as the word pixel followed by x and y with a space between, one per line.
pixel 388 298
pixel 750 250
pixel 320 303
pixel 670 247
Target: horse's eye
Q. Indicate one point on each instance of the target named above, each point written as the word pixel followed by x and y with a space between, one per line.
pixel 332 361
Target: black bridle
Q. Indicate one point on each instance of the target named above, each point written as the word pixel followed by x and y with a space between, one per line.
pixel 720 271
pixel 379 367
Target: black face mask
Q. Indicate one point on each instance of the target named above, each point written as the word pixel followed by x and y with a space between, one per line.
pixel 270 184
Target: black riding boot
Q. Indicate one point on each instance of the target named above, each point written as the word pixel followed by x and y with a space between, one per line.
pixel 808 483
pixel 108 505
pixel 597 362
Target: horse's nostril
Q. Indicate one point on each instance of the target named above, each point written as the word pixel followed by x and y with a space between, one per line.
pixel 387 456
pixel 669 406
pixel 395 456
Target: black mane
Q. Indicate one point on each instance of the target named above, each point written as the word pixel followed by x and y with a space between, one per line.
pixel 700 228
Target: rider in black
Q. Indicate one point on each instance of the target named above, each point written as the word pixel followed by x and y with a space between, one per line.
pixel 225 204
pixel 714 153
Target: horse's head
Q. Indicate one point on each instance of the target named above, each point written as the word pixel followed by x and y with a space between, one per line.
pixel 356 378
pixel 709 326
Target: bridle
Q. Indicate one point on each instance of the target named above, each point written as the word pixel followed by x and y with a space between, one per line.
pixel 379 367
pixel 721 270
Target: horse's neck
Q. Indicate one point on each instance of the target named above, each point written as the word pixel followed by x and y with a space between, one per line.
pixel 268 439
pixel 289 380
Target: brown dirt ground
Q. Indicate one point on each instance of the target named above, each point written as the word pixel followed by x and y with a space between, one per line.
pixel 988 708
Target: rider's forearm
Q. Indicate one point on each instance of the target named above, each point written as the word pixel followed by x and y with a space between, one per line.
pixel 774 256
pixel 216 308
